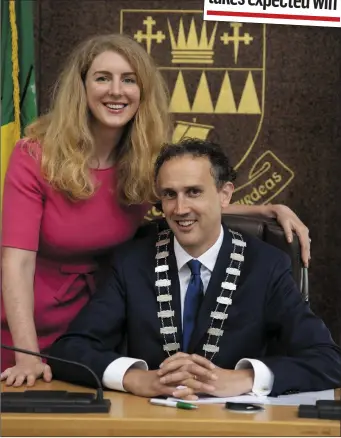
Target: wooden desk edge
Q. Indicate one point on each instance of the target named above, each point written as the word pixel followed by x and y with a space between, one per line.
pixel 171 423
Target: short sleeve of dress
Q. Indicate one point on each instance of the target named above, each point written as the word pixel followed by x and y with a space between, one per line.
pixel 23 199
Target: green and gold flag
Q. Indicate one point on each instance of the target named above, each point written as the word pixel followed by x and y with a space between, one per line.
pixel 18 92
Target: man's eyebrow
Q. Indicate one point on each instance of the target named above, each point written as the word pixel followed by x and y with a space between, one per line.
pixel 165 189
pixel 197 187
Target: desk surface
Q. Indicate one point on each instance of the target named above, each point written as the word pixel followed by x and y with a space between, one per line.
pixel 135 416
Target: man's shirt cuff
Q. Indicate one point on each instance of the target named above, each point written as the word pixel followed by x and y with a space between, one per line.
pixel 114 373
pixel 263 376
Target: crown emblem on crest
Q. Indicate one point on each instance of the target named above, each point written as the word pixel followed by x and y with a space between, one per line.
pixel 192 49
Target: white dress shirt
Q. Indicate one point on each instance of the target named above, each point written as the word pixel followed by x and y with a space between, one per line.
pixel 263 376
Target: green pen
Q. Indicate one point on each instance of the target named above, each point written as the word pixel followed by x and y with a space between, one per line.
pixel 173 404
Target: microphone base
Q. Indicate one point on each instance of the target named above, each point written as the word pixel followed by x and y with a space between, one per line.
pixel 47 402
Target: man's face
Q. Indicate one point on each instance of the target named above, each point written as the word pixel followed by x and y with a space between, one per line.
pixel 191 202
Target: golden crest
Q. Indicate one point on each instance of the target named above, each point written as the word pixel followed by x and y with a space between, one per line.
pixel 216 74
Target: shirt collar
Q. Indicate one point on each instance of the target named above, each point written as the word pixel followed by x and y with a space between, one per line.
pixel 208 259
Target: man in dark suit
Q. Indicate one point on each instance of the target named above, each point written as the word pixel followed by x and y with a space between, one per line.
pixel 196 303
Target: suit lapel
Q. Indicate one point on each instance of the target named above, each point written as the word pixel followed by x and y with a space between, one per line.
pixel 213 290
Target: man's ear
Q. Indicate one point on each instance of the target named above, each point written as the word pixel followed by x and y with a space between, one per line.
pixel 158 203
pixel 226 193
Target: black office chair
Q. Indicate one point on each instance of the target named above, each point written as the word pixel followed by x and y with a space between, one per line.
pixel 271 232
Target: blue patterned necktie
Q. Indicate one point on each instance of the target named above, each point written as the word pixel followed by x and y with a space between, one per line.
pixel 192 303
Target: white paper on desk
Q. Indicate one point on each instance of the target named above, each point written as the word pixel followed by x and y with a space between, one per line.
pixel 303 398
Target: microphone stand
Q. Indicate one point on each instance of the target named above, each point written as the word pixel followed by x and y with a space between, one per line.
pixel 37 401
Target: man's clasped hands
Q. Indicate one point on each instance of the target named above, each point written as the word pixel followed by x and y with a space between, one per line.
pixel 187 375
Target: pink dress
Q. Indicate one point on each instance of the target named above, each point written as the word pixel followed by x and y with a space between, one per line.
pixel 69 238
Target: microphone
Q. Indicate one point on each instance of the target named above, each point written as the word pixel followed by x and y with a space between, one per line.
pixel 99 390
pixel 71 401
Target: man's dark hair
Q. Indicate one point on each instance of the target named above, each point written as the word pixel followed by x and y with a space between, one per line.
pixel 222 170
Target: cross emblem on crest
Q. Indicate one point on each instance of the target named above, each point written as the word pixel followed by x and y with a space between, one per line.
pixel 236 39
pixel 159 36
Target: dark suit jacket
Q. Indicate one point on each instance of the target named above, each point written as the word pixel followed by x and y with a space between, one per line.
pixel 266 303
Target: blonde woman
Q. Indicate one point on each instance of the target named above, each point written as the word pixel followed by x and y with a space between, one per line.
pixel 77 185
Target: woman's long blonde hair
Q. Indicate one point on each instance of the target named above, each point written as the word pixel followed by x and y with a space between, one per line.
pixel 65 137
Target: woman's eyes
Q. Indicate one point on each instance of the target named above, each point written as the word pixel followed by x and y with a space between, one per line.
pixel 130 80
pixel 107 78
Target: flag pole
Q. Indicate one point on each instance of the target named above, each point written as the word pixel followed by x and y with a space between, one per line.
pixel 15 70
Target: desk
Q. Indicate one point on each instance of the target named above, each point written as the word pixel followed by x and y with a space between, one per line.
pixel 135 416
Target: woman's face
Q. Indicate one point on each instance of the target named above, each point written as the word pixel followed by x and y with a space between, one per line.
pixel 113 94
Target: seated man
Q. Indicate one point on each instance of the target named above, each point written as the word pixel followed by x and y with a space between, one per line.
pixel 197 303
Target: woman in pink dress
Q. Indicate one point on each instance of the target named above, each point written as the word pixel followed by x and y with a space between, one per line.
pixel 76 186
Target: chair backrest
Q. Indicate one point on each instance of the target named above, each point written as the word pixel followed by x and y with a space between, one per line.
pixel 271 232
